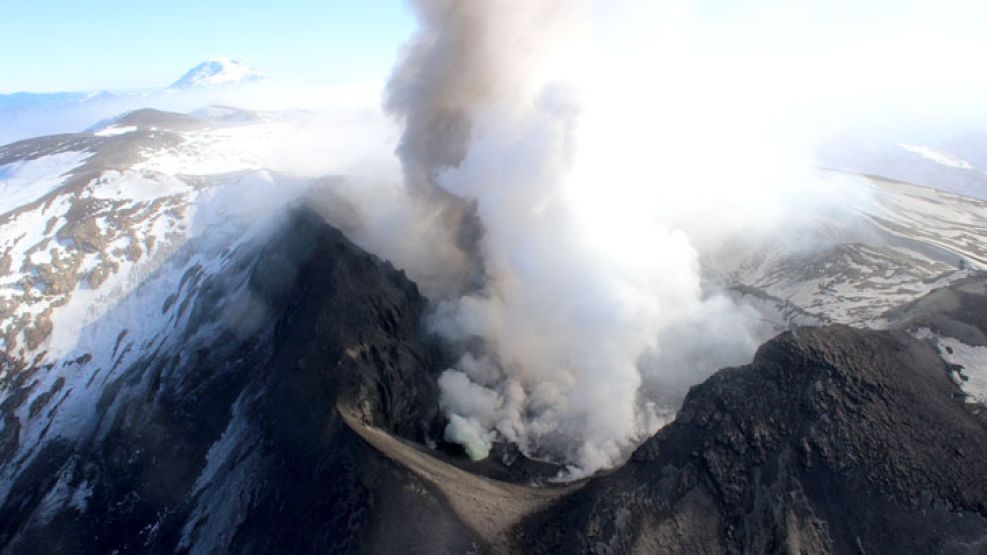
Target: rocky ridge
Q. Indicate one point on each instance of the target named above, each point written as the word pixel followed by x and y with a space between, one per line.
pixel 833 440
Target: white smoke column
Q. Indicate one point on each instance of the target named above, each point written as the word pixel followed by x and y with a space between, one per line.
pixel 468 55
pixel 570 301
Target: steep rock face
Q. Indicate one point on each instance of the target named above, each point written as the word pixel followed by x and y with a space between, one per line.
pixel 833 440
pixel 958 311
pixel 230 440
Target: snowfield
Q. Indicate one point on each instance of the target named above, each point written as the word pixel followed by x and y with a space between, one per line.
pixel 115 130
pixel 26 181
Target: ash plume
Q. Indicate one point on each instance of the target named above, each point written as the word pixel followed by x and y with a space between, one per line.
pixel 577 173
pixel 567 306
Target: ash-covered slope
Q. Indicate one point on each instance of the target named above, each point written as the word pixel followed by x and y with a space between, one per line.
pixel 224 436
pixel 892 245
pixel 833 440
pixel 954 320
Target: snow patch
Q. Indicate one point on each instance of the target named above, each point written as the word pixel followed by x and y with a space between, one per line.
pixel 26 181
pixel 936 156
pixel 972 360
pixel 115 130
pixel 973 378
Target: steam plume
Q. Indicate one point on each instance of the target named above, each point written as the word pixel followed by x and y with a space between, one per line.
pixel 569 303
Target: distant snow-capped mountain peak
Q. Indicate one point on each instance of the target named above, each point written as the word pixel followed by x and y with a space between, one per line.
pixel 218 71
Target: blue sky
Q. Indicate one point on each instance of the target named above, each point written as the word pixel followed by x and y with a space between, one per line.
pixel 60 45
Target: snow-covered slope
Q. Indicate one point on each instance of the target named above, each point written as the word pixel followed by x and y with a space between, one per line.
pixel 25 181
pixel 106 264
pixel 901 242
pixel 87 217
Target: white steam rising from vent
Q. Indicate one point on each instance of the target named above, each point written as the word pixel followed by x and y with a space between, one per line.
pixel 578 169
pixel 582 277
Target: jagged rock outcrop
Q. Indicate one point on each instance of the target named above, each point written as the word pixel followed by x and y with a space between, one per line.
pixel 833 440
pixel 958 311
pixel 232 442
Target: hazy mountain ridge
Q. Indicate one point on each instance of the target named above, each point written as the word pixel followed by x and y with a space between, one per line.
pixel 951 161
pixel 218 72
pixel 26 114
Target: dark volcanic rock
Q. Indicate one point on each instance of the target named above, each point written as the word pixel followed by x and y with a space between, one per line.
pixel 833 440
pixel 232 443
pixel 958 311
